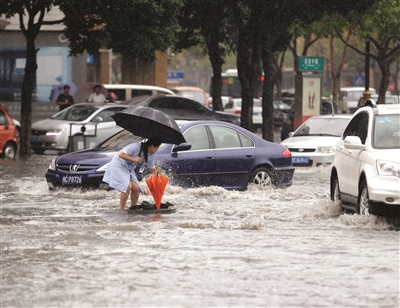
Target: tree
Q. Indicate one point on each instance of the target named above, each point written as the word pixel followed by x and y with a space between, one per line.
pixel 31 18
pixel 136 29
pixel 208 23
pixel 380 25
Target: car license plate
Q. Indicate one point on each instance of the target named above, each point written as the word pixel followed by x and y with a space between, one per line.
pixel 72 179
pixel 300 160
pixel 34 139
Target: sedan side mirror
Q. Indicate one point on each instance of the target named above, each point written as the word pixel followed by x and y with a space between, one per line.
pixel 353 143
pixel 181 147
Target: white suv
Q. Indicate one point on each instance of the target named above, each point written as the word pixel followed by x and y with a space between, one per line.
pixel 365 174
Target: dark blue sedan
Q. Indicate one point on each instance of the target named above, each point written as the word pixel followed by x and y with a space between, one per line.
pixel 217 153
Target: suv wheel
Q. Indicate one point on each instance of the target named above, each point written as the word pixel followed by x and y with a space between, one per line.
pixel 363 203
pixel 335 190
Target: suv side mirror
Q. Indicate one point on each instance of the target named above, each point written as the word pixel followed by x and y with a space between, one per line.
pixel 353 143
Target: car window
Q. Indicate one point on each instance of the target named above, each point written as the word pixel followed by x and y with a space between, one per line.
pixel 323 127
pixel 387 131
pixel 107 113
pixel 135 93
pixel 3 118
pixel 119 92
pixel 197 136
pixel 225 137
pixel 75 113
pixel 229 105
pixel 358 126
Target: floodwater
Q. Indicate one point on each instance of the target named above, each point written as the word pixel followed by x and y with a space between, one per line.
pixel 259 248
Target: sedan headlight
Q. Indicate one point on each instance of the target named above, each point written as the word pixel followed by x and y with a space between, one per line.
pixel 103 168
pixel 326 150
pixel 54 132
pixel 388 168
pixel 53 164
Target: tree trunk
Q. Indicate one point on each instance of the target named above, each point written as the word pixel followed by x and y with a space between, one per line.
pixel 244 54
pixel 26 97
pixel 268 94
pixel 216 80
pixel 385 69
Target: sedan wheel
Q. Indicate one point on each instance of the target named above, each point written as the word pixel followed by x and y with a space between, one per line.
pixel 261 176
pixel 363 203
pixel 9 151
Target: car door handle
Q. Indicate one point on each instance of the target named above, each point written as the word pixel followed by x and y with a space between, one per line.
pixel 249 155
pixel 210 157
pixel 341 148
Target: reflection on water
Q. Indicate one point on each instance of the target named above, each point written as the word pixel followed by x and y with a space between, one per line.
pixel 260 247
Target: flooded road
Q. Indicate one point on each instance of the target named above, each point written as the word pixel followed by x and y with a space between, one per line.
pixel 259 248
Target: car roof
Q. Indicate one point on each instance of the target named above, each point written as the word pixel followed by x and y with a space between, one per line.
pixel 136 87
pixel 330 116
pixel 100 105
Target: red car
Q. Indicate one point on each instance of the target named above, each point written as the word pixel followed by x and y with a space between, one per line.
pixel 8 134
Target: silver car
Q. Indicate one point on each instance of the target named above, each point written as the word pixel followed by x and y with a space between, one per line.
pixel 87 119
pixel 313 144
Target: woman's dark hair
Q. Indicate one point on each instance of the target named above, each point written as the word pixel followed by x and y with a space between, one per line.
pixel 144 148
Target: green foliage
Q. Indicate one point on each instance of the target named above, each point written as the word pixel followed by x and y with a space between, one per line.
pixel 134 28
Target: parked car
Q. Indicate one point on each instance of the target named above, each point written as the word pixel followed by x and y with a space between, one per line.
pixel 313 144
pixel 349 97
pixel 216 153
pixel 282 106
pixel 327 107
pixel 194 93
pixel 225 100
pixel 181 108
pixel 365 176
pixel 234 106
pixel 88 118
pixel 389 99
pixel 8 134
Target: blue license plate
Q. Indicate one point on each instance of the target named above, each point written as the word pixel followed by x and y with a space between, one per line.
pixel 34 139
pixel 300 160
pixel 72 179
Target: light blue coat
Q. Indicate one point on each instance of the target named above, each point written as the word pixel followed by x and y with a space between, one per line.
pixel 120 172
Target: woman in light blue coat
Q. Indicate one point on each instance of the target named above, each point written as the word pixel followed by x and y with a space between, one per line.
pixel 121 173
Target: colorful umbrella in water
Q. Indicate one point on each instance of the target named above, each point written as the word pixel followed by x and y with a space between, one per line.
pixel 156 184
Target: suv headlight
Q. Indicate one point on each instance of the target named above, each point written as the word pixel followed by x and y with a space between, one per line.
pixel 103 168
pixel 326 150
pixel 388 168
pixel 53 164
pixel 54 132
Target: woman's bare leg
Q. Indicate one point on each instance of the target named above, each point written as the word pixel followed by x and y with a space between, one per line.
pixel 124 196
pixel 135 191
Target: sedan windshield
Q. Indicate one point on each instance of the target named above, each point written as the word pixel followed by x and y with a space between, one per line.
pixel 323 127
pixel 387 131
pixel 120 140
pixel 75 113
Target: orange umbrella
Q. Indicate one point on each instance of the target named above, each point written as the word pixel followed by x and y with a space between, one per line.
pixel 156 184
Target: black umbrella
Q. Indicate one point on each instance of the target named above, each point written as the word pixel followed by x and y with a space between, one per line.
pixel 148 122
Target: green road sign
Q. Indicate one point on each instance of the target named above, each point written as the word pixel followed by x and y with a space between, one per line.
pixel 311 63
